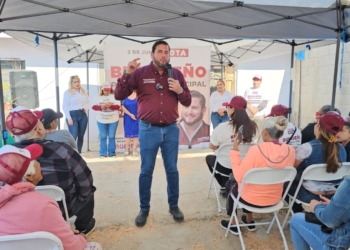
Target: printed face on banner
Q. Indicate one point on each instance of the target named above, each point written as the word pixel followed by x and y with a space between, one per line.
pixel 193 62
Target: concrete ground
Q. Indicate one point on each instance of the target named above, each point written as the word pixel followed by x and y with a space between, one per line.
pixel 117 205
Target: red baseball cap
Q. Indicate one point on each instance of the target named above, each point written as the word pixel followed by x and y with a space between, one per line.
pixel 332 121
pixel 22 120
pixel 14 162
pixel 257 77
pixel 278 110
pixel 238 102
pixel 106 86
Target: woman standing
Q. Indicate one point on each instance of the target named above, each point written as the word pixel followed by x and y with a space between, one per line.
pixel 75 106
pixel 131 123
pixel 107 117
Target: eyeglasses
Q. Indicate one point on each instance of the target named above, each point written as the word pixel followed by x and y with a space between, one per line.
pixel 159 86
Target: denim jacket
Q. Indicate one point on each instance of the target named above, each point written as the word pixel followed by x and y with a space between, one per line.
pixel 336 215
pixel 316 157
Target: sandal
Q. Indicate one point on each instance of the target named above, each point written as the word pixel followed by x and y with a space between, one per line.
pixel 135 153
pixel 126 153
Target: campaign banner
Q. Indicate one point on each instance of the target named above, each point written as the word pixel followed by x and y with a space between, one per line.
pixel 194 63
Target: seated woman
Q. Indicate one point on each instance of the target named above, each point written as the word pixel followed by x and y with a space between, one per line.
pixel 224 132
pixel 307 134
pixel 270 153
pixel 325 149
pixel 50 122
pixel 22 210
pixel 334 213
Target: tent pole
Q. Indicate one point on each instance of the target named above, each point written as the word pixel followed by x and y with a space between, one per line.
pixel 87 86
pixel 56 76
pixel 2 112
pixel 222 66
pixel 291 80
pixel 336 55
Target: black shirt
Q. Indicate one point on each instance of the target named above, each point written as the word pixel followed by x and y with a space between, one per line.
pixel 347 149
pixel 307 134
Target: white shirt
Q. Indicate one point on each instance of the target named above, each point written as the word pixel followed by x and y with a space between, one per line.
pixel 106 116
pixel 296 140
pixel 255 97
pixel 216 100
pixel 75 102
pixel 302 153
pixel 224 132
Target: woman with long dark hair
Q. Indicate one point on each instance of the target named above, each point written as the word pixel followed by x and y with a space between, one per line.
pixel 225 132
pixel 324 149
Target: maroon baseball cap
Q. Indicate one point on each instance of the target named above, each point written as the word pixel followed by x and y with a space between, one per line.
pixel 22 120
pixel 14 162
pixel 238 102
pixel 278 110
pixel 332 121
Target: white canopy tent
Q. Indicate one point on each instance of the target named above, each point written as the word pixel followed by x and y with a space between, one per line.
pixel 170 19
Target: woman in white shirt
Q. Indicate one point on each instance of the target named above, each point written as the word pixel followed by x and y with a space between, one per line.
pixel 75 106
pixel 107 117
pixel 218 112
pixel 225 132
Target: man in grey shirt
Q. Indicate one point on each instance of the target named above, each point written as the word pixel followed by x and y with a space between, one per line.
pixel 50 122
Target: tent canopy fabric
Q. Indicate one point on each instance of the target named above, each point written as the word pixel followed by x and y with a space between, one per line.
pixel 74 49
pixel 169 18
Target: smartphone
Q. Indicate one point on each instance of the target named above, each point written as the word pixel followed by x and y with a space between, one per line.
pixel 240 133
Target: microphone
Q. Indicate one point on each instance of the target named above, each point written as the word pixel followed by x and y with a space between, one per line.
pixel 170 70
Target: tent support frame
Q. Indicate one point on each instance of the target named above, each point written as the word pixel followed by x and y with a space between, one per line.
pixel 339 30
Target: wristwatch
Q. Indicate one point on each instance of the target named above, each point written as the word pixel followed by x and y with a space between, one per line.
pixel 126 74
pixel 181 91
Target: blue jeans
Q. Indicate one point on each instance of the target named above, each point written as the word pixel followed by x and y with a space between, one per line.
pixel 151 139
pixel 107 130
pixel 78 129
pixel 216 119
pixel 306 235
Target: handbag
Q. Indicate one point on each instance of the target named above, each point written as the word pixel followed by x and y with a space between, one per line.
pixel 311 218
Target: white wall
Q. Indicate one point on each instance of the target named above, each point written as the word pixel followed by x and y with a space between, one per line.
pixel 275 72
pixel 43 64
pixel 316 79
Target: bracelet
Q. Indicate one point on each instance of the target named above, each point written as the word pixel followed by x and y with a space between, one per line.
pixel 126 74
pixel 181 91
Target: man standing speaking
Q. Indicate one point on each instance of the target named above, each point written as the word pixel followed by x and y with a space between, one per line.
pixel 159 89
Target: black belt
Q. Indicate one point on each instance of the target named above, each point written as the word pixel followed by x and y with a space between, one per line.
pixel 77 110
pixel 158 124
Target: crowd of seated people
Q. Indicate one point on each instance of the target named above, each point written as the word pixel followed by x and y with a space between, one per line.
pixel 22 210
pixel 61 165
pixel 327 141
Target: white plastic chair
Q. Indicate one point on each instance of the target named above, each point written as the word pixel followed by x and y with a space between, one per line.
pixel 31 241
pixel 244 147
pixel 263 176
pixel 316 172
pixel 57 194
pixel 227 146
